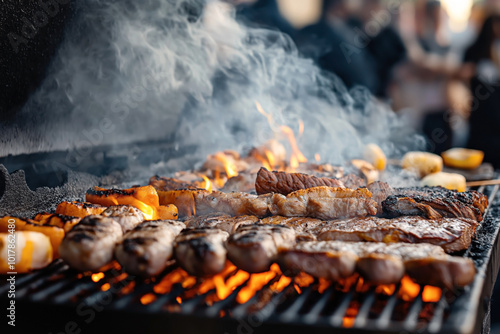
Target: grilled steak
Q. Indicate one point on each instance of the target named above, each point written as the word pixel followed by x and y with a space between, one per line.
pixel 325 203
pixel 221 221
pixel 378 263
pixel 234 204
pixel 452 234
pixel 126 216
pixel 201 251
pixel 145 250
pixel 89 244
pixel 429 207
pixel 285 183
pixel 254 248
pixel 318 202
pixel 429 202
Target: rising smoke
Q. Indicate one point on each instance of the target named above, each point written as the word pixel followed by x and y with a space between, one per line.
pixel 187 71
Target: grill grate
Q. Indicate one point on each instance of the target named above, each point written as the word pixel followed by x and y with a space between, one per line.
pixel 346 307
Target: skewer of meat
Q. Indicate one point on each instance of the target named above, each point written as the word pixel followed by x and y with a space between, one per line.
pixel 146 249
pixel 254 248
pixel 201 251
pixel 89 245
pixel 378 263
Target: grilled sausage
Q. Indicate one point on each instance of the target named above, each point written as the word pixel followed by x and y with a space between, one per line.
pixel 254 248
pixel 145 250
pixel 90 243
pixel 201 251
pixel 126 216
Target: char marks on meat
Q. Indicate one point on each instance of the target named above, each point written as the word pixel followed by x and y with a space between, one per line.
pixel 201 251
pixel 89 245
pixel 145 250
pixel 285 183
pixel 452 234
pixel 254 248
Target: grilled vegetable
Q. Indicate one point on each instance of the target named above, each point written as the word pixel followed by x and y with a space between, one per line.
pixel 144 198
pixel 55 233
pixel 32 251
pixel 370 173
pixel 423 163
pixel 374 155
pixel 450 181
pixel 55 219
pixel 79 209
pixel 463 158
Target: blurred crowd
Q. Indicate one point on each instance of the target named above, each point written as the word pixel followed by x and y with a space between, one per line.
pixel 441 77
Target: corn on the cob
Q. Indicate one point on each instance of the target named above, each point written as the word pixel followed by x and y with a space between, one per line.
pixel 31 250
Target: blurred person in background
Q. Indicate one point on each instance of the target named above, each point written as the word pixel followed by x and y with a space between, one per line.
pixel 482 60
pixel 263 13
pixel 334 46
pixel 427 88
pixel 374 23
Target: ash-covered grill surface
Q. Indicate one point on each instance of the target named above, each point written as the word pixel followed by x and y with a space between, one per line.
pixel 175 301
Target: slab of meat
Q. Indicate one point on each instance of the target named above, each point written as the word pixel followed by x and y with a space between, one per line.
pixel 201 251
pixel 429 202
pixel 126 216
pixel 429 207
pixel 89 245
pixel 378 263
pixel 254 248
pixel 234 204
pixel 221 221
pixel 325 203
pixel 145 250
pixel 318 202
pixel 285 183
pixel 452 234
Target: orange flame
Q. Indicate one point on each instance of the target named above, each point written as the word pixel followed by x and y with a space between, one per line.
pixel 301 128
pixel 257 282
pixel 207 185
pixel 97 277
pixel 386 289
pixel 297 156
pixel 317 157
pixel 409 290
pixel 105 287
pixel 165 285
pixel 350 316
pixel 269 117
pixel 148 299
pixel 431 294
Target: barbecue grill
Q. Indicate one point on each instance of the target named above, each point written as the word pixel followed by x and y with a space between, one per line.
pixel 58 299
